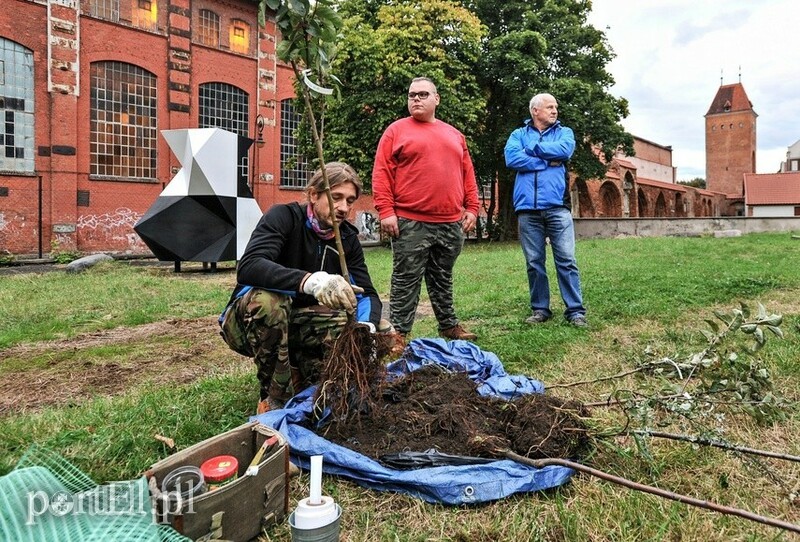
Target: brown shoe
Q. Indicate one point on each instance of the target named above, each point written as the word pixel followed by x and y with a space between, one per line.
pixel 457 333
pixel 265 405
pixel 398 344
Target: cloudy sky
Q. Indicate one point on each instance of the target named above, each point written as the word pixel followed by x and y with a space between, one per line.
pixel 672 53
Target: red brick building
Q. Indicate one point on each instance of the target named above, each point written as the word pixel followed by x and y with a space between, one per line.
pixel 643 186
pixel 730 143
pixel 86 87
pixel 772 194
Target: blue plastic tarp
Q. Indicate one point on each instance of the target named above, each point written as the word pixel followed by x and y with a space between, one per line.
pixel 459 484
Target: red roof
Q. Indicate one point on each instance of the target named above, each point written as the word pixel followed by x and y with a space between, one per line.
pixel 625 163
pixel 661 184
pixel 730 98
pixel 772 188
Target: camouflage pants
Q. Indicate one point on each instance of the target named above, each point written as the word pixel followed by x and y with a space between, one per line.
pixel 429 251
pixel 280 339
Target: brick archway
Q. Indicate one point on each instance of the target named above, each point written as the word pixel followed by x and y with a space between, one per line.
pixel 661 206
pixel 585 203
pixel 610 200
pixel 641 200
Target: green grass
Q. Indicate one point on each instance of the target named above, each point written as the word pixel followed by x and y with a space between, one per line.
pixel 639 292
pixel 56 304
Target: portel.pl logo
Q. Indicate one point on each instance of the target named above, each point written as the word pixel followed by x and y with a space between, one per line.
pixel 111 499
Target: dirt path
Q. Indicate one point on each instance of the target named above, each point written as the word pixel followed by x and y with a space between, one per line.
pixel 106 363
pixel 111 362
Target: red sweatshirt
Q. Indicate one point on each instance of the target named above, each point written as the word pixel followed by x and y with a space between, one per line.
pixel 423 172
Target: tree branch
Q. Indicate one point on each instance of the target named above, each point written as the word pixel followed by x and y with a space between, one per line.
pixel 716 444
pixel 318 143
pixel 601 379
pixel 727 510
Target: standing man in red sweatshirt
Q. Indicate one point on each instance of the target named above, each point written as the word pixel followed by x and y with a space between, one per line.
pixel 425 192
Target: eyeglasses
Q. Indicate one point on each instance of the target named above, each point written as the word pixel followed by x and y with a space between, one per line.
pixel 422 95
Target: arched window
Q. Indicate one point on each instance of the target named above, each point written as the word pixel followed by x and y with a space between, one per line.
pixel 123 129
pixel 239 37
pixel 16 106
pixel 610 200
pixel 641 203
pixel 661 206
pixel 228 107
pixel 208 28
pixel 294 171
pixel 679 205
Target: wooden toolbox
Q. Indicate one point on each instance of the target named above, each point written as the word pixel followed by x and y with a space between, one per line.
pixel 240 509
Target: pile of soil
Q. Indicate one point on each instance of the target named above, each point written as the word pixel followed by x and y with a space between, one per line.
pixel 435 409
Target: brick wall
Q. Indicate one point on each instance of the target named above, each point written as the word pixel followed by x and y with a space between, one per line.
pixel 79 212
pixel 730 150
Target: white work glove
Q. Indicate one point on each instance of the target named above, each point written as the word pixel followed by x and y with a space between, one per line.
pixel 331 290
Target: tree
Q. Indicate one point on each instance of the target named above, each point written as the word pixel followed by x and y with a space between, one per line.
pixel 309 32
pixel 384 46
pixel 488 58
pixel 545 46
pixel 697 182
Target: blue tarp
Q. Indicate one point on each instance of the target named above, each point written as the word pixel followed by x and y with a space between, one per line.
pixel 450 484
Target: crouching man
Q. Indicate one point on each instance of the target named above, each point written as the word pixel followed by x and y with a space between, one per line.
pixel 290 299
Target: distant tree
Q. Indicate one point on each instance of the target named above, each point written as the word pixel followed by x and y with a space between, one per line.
pixel 697 182
pixel 488 58
pixel 386 44
pixel 546 46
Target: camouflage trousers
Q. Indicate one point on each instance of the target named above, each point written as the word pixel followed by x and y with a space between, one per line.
pixel 283 341
pixel 427 251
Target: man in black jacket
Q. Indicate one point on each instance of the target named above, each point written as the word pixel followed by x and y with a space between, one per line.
pixel 290 298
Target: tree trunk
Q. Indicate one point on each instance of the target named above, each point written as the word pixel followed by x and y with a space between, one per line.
pixel 506 218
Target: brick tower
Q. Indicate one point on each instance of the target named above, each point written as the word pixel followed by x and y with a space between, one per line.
pixel 730 140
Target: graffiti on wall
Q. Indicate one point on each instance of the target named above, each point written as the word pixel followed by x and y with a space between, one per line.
pixel 12 228
pixel 122 217
pixel 111 231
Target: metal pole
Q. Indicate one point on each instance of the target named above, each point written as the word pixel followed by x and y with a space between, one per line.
pixel 41 233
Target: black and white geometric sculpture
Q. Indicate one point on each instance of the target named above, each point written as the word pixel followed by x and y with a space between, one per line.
pixel 207 212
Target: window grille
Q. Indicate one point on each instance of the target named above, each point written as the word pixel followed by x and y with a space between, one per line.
pixel 16 107
pixel 105 9
pixel 208 28
pixel 227 107
pixel 123 123
pixel 294 169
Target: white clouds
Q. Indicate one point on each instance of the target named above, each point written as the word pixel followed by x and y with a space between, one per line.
pixel 672 53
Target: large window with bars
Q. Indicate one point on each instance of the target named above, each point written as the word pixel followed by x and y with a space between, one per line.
pixel 226 106
pixel 105 9
pixel 208 28
pixel 16 107
pixel 123 129
pixel 294 170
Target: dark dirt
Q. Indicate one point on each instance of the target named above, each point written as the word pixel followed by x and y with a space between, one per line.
pixel 434 409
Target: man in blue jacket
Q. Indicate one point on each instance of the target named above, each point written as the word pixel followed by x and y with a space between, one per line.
pixel 538 152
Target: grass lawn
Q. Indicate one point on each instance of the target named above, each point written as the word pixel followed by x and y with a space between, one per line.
pixel 94 365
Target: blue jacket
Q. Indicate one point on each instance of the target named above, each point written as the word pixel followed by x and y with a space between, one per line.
pixel 539 160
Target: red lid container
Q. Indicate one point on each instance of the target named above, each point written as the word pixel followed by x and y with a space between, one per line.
pixel 219 468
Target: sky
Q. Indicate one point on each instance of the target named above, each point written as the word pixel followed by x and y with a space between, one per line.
pixel 671 54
